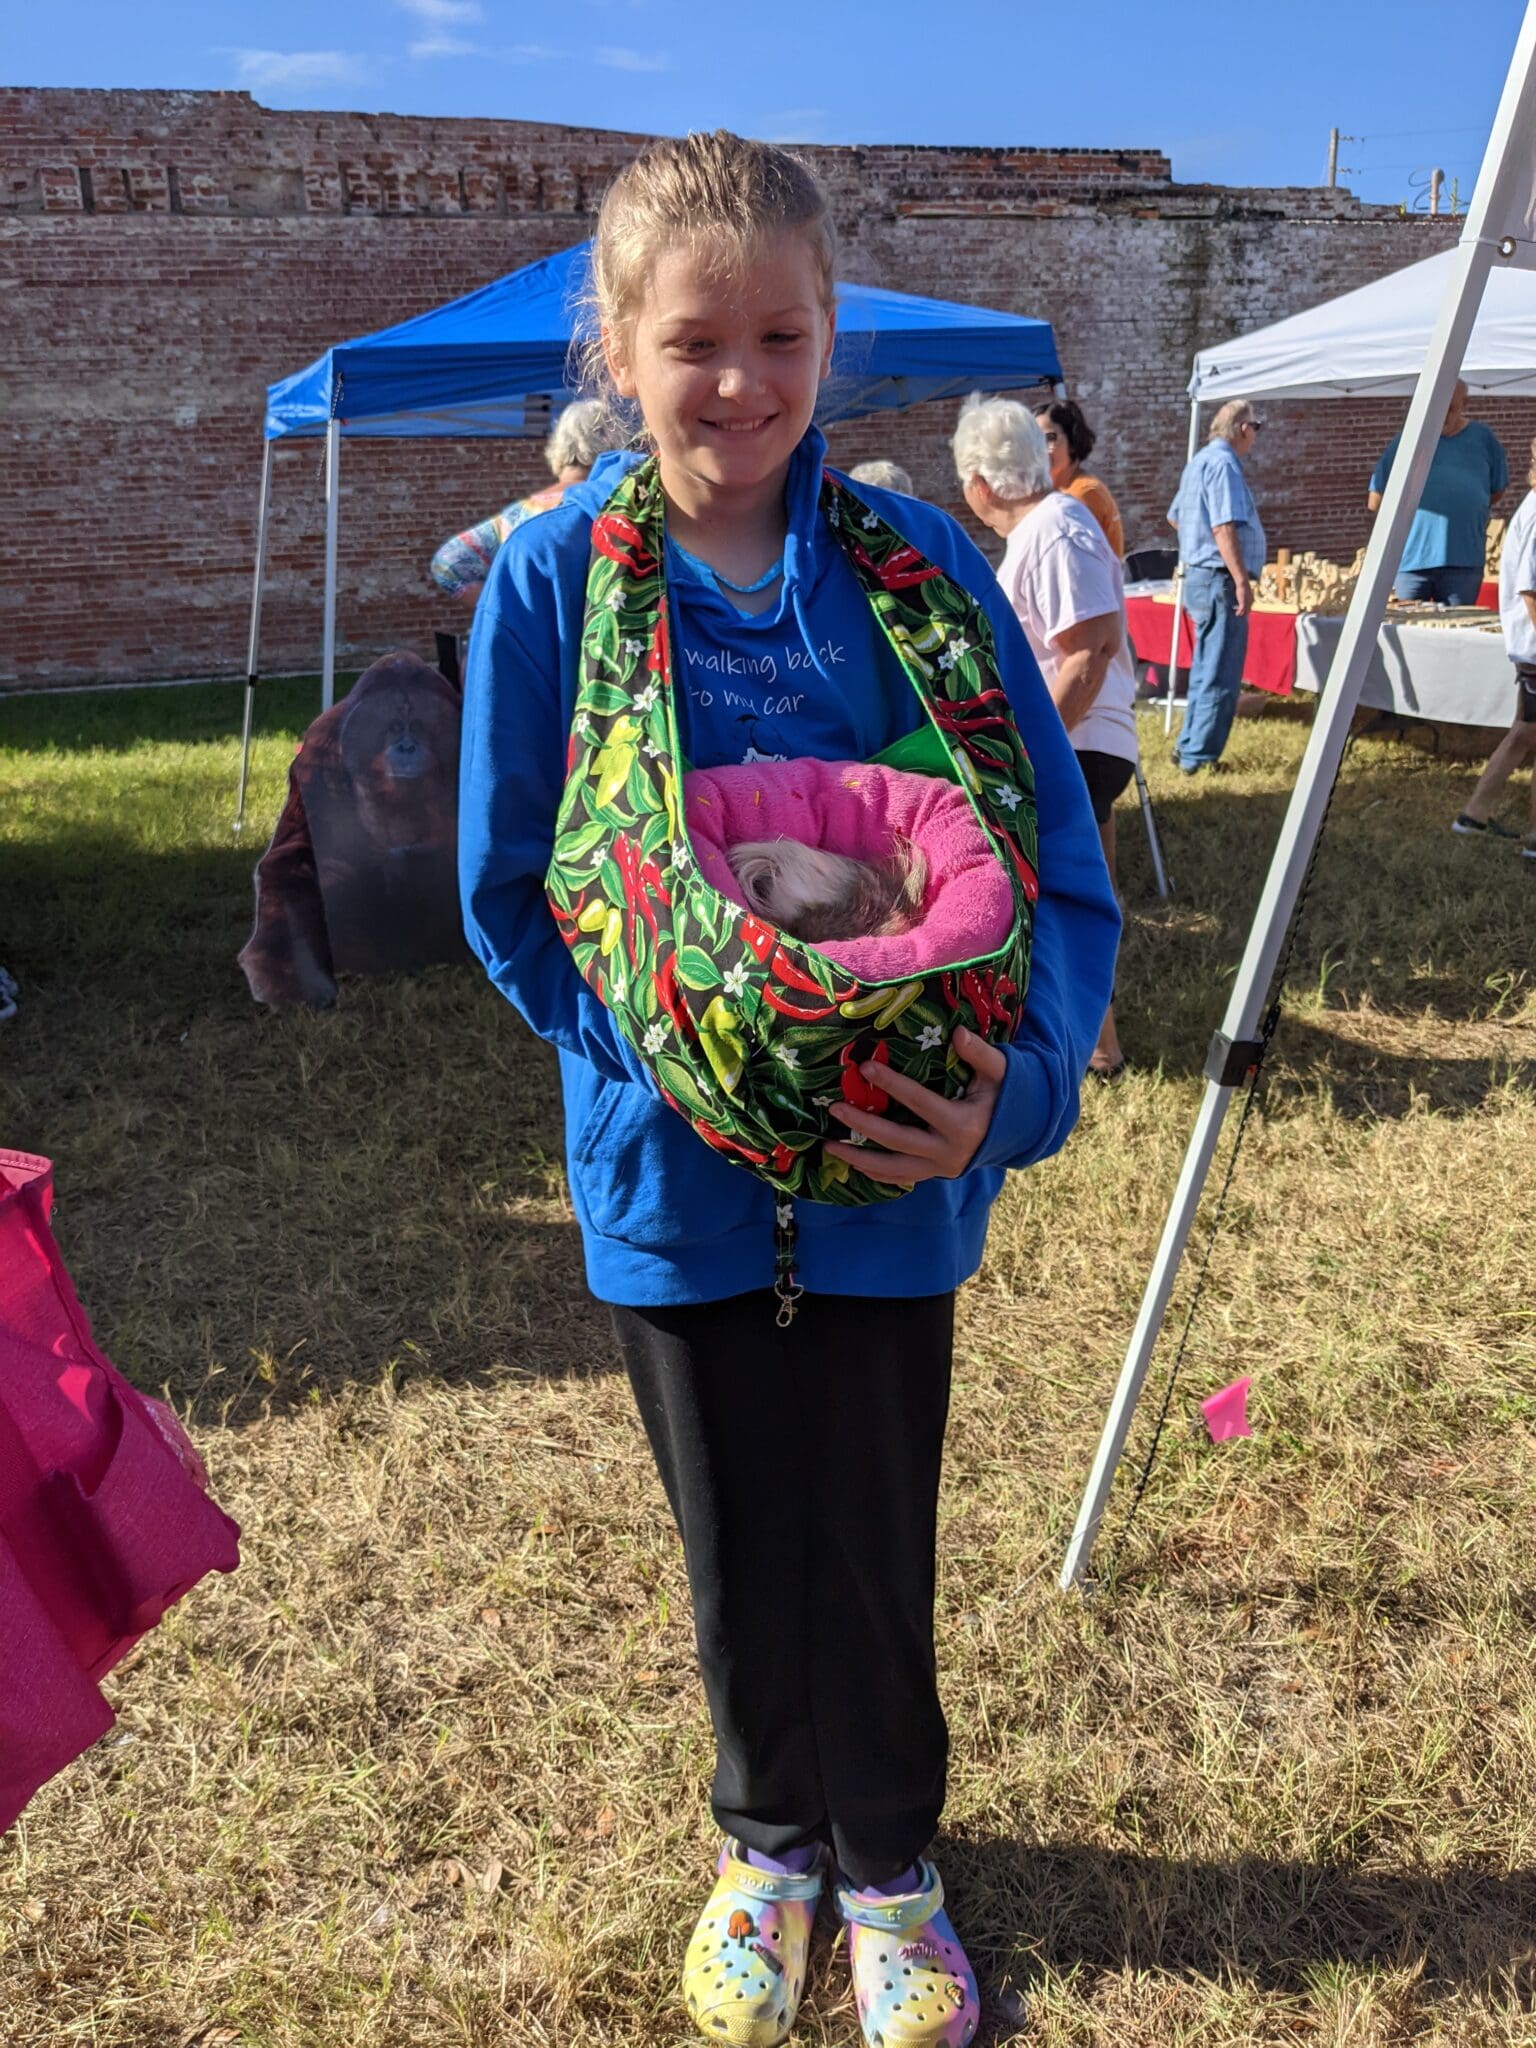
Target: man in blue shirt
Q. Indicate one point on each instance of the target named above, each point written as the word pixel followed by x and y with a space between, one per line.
pixel 1443 560
pixel 1221 544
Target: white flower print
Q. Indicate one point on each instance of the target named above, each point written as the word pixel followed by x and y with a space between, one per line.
pixel 930 1036
pixel 1007 794
pixel 786 1055
pixel 948 658
pixel 784 1214
pixel 644 699
pixel 650 750
pixel 633 646
pixel 823 1101
pixel 655 1039
pixel 682 859
pixel 616 600
pixel 620 988
pixel 870 521
pixel 736 980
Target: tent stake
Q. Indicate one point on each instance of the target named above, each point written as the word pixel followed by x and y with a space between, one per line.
pixel 253 644
pixel 1499 199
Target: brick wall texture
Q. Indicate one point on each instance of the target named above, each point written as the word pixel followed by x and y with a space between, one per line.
pixel 164 256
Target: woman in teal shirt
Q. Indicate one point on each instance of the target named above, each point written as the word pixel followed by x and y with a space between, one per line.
pixel 1443 561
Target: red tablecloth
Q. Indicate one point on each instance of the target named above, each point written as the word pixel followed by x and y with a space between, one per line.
pixel 1488 597
pixel 1271 658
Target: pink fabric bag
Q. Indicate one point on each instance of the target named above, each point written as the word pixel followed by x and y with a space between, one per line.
pixel 104 1520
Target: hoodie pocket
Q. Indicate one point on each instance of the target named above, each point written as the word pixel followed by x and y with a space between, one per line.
pixel 644 1177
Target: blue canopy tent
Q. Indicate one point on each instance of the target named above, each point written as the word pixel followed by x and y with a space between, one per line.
pixel 497 364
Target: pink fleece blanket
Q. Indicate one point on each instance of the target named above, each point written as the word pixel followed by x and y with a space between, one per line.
pixel 104 1517
pixel 853 808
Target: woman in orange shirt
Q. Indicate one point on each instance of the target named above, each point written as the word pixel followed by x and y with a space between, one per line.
pixel 1069 439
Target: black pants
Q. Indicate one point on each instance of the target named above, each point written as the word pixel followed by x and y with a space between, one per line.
pixel 802 1466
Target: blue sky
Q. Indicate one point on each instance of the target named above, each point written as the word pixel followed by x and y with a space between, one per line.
pixel 1242 95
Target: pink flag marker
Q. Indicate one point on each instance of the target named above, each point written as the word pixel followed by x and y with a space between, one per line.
pixel 1226 1413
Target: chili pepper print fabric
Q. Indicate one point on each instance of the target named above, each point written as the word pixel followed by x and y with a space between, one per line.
pixel 751 1034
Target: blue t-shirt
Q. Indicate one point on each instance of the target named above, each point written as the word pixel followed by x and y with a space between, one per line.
pixel 774 686
pixel 1214 492
pixel 1466 474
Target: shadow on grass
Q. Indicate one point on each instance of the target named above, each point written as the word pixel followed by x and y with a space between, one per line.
pixel 1280 1925
pixel 264 1207
pixel 1399 920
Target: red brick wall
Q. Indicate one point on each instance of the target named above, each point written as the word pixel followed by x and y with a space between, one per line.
pixel 165 255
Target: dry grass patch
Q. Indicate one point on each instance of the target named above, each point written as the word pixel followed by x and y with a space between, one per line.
pixel 429 1769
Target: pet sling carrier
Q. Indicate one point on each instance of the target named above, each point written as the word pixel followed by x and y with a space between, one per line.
pixel 750 1032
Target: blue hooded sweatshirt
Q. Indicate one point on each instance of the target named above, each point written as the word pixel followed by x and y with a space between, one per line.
pixel 664 1219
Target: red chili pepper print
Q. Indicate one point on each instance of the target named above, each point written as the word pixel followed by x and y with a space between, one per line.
pixel 622 541
pixel 857 1092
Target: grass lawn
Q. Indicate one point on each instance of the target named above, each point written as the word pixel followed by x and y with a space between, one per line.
pixel 429 1771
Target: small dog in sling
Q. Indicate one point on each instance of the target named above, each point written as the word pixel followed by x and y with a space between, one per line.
pixel 816 896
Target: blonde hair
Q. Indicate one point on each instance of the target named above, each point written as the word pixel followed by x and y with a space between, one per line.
pixel 716 194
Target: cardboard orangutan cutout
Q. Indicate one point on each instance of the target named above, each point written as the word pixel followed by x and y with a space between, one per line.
pixel 361 876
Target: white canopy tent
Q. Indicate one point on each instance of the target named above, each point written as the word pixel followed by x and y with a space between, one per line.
pixel 1368 343
pixel 1373 342
pixel 1490 267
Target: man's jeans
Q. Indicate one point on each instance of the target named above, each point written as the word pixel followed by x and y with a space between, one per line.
pixel 1216 671
pixel 1448 584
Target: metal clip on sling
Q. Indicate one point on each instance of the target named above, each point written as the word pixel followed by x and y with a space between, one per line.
pixel 787 1290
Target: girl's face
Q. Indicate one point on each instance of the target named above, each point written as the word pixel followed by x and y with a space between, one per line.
pixel 1056 447
pixel 726 369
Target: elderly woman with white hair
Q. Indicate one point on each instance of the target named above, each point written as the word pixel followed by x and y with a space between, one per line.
pixel 583 431
pixel 1064 582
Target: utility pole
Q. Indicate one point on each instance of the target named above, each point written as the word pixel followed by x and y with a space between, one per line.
pixel 1334 139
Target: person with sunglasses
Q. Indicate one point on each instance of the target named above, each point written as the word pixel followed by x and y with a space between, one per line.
pixel 1221 544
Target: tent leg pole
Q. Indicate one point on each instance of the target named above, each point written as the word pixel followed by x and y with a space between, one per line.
pixel 1178 582
pixel 1154 844
pixel 1320 765
pixel 332 500
pixel 253 642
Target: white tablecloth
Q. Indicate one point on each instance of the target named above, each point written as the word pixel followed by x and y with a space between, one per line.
pixel 1456 674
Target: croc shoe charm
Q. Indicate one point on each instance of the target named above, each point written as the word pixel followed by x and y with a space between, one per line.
pixel 913 1984
pixel 745 1967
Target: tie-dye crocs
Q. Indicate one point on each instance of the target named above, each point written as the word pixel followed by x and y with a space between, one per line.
pixel 914 1986
pixel 745 1967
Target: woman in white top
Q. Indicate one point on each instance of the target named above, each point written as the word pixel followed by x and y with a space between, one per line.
pixel 1063 580
pixel 1517 615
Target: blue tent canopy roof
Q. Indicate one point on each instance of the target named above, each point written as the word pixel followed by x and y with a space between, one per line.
pixel 496 363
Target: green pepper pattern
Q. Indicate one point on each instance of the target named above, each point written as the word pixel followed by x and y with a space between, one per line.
pixel 751 1033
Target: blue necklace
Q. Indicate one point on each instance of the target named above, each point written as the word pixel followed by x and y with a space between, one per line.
pixel 723 582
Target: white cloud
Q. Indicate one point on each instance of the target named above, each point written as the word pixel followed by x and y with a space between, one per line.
pixel 293 70
pixel 442 11
pixel 442 46
pixel 633 60
pixel 528 53
pixel 457 46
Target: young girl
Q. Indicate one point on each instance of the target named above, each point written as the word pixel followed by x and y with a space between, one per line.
pixel 802 1460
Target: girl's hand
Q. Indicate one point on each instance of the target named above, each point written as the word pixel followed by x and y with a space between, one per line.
pixel 943 1145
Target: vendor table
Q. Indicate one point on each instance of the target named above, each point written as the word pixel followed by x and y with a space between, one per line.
pixel 1270 663
pixel 1458 675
